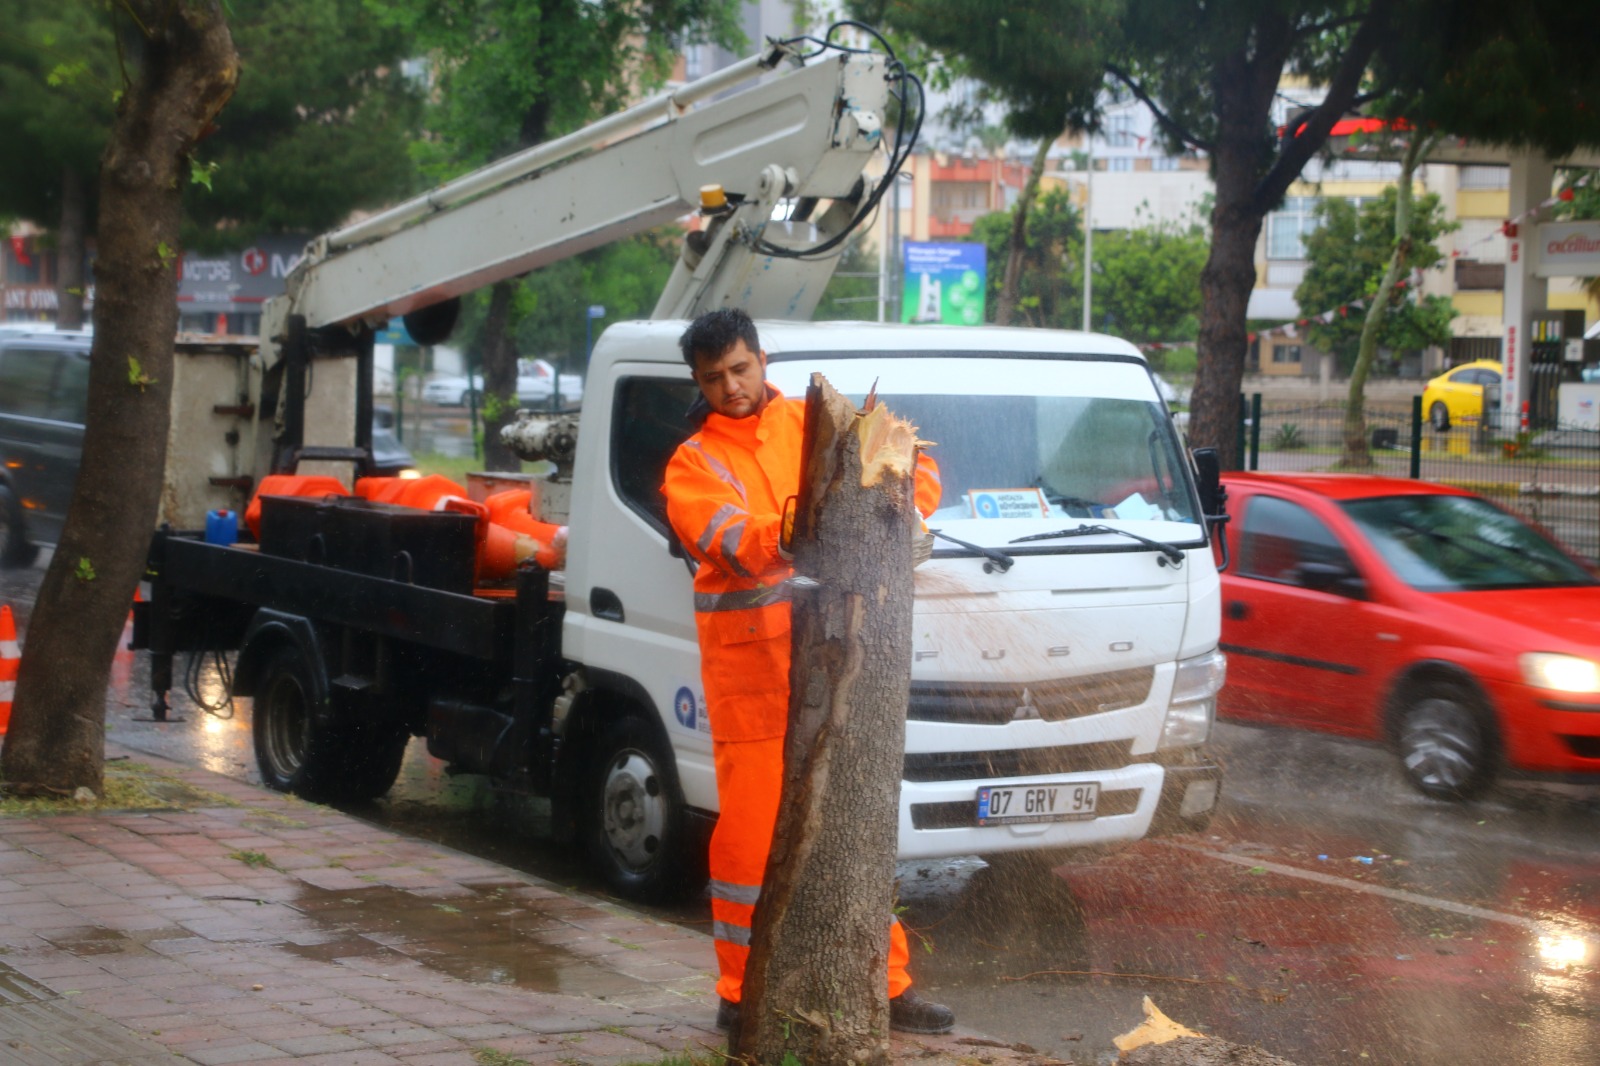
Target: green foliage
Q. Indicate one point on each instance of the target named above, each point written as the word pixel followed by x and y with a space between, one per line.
pixel 137 376
pixel 852 292
pixel 1518 74
pixel 625 277
pixel 510 73
pixel 1146 280
pixel 84 571
pixel 1042 59
pixel 1287 438
pixel 321 123
pixel 58 77
pixel 1347 256
pixel 1585 202
pixel 1050 288
pixel 318 127
pixel 1147 283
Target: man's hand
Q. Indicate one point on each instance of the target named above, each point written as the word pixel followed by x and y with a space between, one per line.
pixel 786 531
pixel 921 548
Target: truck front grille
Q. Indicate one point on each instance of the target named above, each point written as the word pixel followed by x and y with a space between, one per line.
pixel 1017 762
pixel 1055 700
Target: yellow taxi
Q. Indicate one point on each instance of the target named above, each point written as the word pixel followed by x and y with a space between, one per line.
pixel 1457 394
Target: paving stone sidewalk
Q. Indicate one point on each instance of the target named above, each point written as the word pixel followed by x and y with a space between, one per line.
pixel 254 928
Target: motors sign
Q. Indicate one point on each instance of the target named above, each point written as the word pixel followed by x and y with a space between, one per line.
pixel 249 276
pixel 1567 250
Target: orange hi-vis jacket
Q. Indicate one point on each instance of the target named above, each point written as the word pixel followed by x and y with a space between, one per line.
pixel 725 488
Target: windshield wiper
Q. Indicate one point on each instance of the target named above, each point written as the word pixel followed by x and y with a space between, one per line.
pixel 998 562
pixel 1173 555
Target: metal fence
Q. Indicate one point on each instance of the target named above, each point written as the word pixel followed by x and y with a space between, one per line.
pixel 1550 476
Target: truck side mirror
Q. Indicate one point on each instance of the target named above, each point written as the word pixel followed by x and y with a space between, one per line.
pixel 1208 478
pixel 1213 498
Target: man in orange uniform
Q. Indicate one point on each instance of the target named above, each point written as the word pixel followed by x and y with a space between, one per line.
pixel 725 488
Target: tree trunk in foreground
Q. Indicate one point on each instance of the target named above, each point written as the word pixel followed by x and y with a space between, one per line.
pixel 184 69
pixel 499 378
pixel 816 983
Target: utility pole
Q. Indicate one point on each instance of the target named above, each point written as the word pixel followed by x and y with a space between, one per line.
pixel 1088 235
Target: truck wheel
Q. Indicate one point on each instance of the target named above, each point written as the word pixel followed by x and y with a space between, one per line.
pixel 633 822
pixel 1439 416
pixel 299 750
pixel 15 551
pixel 1447 743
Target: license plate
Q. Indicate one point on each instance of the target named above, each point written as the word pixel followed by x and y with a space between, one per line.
pixel 1058 802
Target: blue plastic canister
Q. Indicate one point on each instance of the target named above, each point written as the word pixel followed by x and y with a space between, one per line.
pixel 222 527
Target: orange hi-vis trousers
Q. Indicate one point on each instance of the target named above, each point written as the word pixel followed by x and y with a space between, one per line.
pixel 749 785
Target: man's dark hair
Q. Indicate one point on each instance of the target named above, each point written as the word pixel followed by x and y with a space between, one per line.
pixel 712 334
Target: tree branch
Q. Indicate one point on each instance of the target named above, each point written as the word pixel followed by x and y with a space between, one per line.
pixel 1167 122
pixel 1314 130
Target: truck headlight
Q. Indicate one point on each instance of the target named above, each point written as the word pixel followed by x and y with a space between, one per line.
pixel 1560 673
pixel 1194 700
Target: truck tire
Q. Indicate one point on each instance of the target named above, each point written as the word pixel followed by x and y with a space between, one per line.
pixel 15 551
pixel 632 818
pixel 301 749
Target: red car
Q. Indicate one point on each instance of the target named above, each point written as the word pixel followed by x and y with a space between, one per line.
pixel 1415 614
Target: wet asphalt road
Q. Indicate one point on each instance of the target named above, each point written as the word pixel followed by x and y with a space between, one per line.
pixel 1330 914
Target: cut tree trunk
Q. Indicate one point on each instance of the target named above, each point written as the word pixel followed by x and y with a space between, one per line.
pixel 184 69
pixel 816 985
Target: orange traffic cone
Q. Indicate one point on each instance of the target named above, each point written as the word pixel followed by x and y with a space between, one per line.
pixel 10 659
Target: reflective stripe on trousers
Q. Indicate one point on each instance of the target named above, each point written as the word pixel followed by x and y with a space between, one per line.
pixel 749 784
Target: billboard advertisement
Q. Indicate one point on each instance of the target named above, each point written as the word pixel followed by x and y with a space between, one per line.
pixel 944 283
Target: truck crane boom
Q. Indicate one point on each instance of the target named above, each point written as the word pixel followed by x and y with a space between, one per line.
pixel 805 133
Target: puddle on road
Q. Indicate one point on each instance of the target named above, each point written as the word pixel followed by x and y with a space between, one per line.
pixel 490 937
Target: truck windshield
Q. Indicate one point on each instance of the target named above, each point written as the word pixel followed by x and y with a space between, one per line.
pixel 1024 443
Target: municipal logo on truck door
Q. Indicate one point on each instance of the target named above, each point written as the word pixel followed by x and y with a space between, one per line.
pixel 686 708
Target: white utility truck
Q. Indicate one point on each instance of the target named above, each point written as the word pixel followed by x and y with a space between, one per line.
pixel 1065 656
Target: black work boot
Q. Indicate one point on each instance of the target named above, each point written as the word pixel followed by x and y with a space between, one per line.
pixel 910 1013
pixel 727 1013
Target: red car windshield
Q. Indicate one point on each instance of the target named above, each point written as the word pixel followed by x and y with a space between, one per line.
pixel 1461 543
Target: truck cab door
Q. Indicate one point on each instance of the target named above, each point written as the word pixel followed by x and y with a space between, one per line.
pixel 630 601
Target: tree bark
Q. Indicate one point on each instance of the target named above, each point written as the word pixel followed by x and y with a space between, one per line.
pixel 1005 311
pixel 499 378
pixel 71 249
pixel 1357 454
pixel 816 982
pixel 184 70
pixel 1251 177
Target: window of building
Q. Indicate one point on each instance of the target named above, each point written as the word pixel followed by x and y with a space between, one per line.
pixel 1288 227
pixel 1119 131
pixel 650 421
pixel 1119 166
pixel 1286 353
pixel 1164 162
pixel 1280 537
pixel 1481 177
